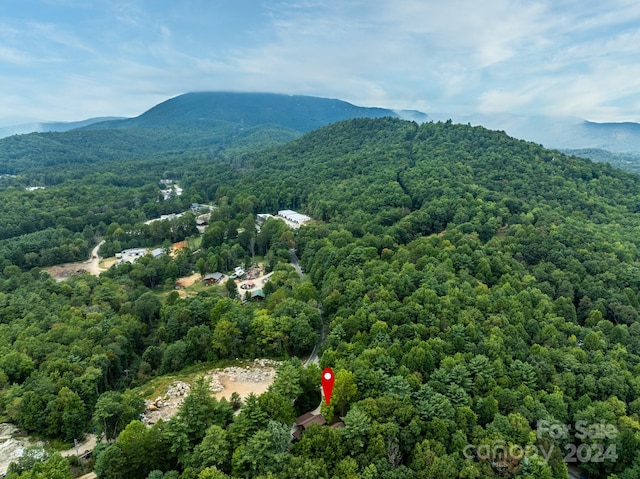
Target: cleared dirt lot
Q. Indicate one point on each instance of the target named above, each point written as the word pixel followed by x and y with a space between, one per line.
pixel 62 272
pixel 255 378
pixel 243 388
pixel 187 281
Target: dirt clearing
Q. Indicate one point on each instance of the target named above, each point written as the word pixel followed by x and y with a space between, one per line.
pixel 175 247
pixel 255 378
pixel 243 388
pixel 187 281
pixel 63 272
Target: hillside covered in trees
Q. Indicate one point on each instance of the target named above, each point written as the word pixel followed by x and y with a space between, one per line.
pixel 474 287
pixel 203 123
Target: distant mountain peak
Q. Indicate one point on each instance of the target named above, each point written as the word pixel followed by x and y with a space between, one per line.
pixel 198 122
pixel 297 112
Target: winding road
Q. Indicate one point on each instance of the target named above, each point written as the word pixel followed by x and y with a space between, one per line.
pixel 93 263
pixel 323 330
pixel 87 445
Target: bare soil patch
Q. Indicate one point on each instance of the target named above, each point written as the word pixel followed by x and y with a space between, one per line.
pixel 243 388
pixel 187 281
pixel 175 247
pixel 92 266
pixel 65 271
pixel 105 264
pixel 255 378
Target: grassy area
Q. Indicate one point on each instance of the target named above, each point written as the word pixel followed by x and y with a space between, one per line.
pixel 106 263
pixel 59 445
pixel 194 242
pixel 198 287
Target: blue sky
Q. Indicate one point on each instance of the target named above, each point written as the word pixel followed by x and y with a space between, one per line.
pixel 75 59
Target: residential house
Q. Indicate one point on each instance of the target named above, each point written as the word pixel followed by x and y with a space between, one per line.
pixel 212 278
pixel 306 420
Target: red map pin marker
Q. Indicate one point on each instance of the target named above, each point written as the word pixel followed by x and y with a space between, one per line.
pixel 327 384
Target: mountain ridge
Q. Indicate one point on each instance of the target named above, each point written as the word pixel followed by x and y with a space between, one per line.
pixel 210 122
pixel 297 112
pixel 194 123
pixel 198 109
pixel 564 133
pixel 51 126
pixel 303 113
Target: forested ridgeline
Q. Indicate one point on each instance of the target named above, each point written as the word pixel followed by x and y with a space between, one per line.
pixel 198 123
pixel 29 153
pixel 196 110
pixel 473 284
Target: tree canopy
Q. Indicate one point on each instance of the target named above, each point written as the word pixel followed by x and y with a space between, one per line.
pixel 471 287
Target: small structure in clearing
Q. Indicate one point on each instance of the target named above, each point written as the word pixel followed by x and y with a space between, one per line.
pixel 306 420
pixel 239 273
pixel 212 278
pixel 258 294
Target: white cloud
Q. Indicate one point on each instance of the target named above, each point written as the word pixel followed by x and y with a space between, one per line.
pixel 462 56
pixel 17 57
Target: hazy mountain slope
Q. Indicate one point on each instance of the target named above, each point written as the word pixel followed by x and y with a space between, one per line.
pixel 614 137
pixel 193 123
pixel 617 137
pixel 46 126
pixel 559 132
pixel 625 161
pixel 197 110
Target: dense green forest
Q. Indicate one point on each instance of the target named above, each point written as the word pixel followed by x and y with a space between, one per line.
pixel 29 153
pixel 474 287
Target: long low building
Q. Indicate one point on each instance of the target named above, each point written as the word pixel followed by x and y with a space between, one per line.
pixel 131 255
pixel 294 216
